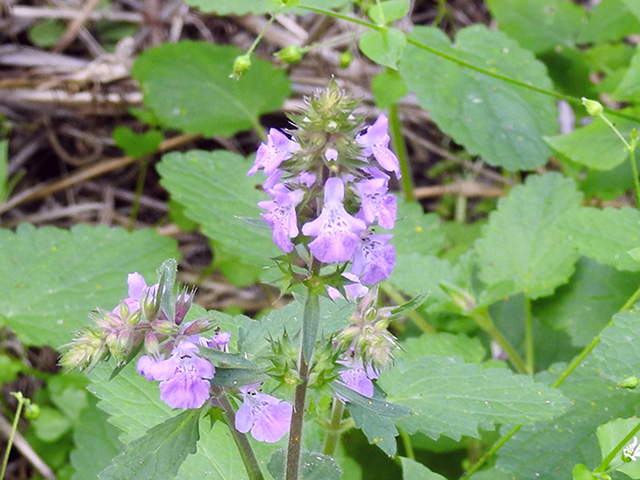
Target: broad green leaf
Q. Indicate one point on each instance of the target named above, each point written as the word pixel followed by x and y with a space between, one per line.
pixel 257 7
pixel 69 393
pixel 416 231
pixel 388 88
pixel 188 87
pixel 378 429
pixel 384 48
pixel 550 449
pixel 633 7
pixel 388 11
pixel 499 121
pixel 96 442
pixel 610 184
pixel 581 472
pixel 376 406
pixel 51 424
pixel 134 144
pixel 160 453
pixel 605 235
pixel 4 168
pixel 237 377
pixel 215 191
pixel 523 244
pixel 53 278
pixel 538 25
pixel 610 21
pixel 610 435
pixel 453 398
pixel 596 145
pixel 618 354
pixel 444 345
pixel 313 466
pixel 585 305
pixel 629 87
pixel 412 470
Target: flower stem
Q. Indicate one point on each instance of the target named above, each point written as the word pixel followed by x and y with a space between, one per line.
pixel 242 442
pixel 401 152
pixel 528 322
pixel 310 321
pixel 14 429
pixel 481 316
pixel 335 427
pixel 406 441
pixel 607 460
pixel 413 315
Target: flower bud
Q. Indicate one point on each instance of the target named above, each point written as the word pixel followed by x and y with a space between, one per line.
pixel 629 382
pixel 164 327
pixel 150 303
pixel 593 107
pixel 183 304
pixel 460 297
pixel 345 59
pixel 241 64
pixel 134 318
pixel 31 411
pixel 151 344
pixel 86 350
pixel 197 326
pixel 290 54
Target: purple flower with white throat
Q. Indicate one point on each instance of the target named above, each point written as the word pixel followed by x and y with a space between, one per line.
pixel 267 417
pixel 374 259
pixel 376 142
pixel 376 202
pixel 182 376
pixel 278 148
pixel 337 232
pixel 281 215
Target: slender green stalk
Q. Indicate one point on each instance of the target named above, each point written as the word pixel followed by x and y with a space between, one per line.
pixel 406 442
pixel 335 427
pixel 14 429
pixel 311 319
pixel 612 454
pixel 528 329
pixel 460 215
pixel 135 205
pixel 414 316
pixel 401 152
pixel 242 442
pixel 481 316
pixel 463 63
pixel 496 446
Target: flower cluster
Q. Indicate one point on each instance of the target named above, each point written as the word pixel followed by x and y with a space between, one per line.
pixel 329 180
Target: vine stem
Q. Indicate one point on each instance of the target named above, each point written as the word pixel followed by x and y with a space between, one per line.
pixel 14 428
pixel 242 442
pixel 310 321
pixel 563 376
pixel 335 427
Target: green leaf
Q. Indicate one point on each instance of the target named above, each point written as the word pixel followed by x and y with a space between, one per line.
pixel 453 398
pixel 596 145
pixel 160 453
pixel 237 377
pixel 629 88
pixel 47 33
pixel 412 470
pixel 53 278
pixel 378 429
pixel 610 21
pixel 523 244
pixel 605 235
pixel 388 11
pixel 51 424
pixel 134 144
pixel 96 442
pixel 388 88
pixel 224 358
pixel 499 121
pixel 609 436
pixel 618 354
pixel 416 231
pixel 187 85
pixel 538 25
pixel 4 168
pixel 550 449
pixel 444 345
pixel 384 48
pixel 313 466
pixel 373 405
pixel 584 306
pixel 581 472
pixel 633 7
pixel 201 180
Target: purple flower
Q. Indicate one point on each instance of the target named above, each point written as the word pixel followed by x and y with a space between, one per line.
pixel 137 287
pixel 356 376
pixel 278 148
pixel 374 259
pixel 376 142
pixel 267 417
pixel 281 215
pixel 220 341
pixel 376 202
pixel 337 233
pixel 353 290
pixel 182 376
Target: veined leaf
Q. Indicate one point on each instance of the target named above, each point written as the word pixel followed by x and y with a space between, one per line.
pixel 412 470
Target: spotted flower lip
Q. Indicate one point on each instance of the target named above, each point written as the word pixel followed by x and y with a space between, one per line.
pixel 281 215
pixel 182 376
pixel 374 259
pixel 376 202
pixel 270 155
pixel 268 418
pixel 337 232
pixel 376 142
pixel 356 376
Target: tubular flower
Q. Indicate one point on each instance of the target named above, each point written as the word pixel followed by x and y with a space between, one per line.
pixel 278 148
pixel 374 259
pixel 267 417
pixel 376 142
pixel 376 202
pixel 281 215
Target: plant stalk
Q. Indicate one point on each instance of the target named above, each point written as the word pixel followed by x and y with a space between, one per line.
pixel 14 429
pixel 335 427
pixel 528 328
pixel 401 152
